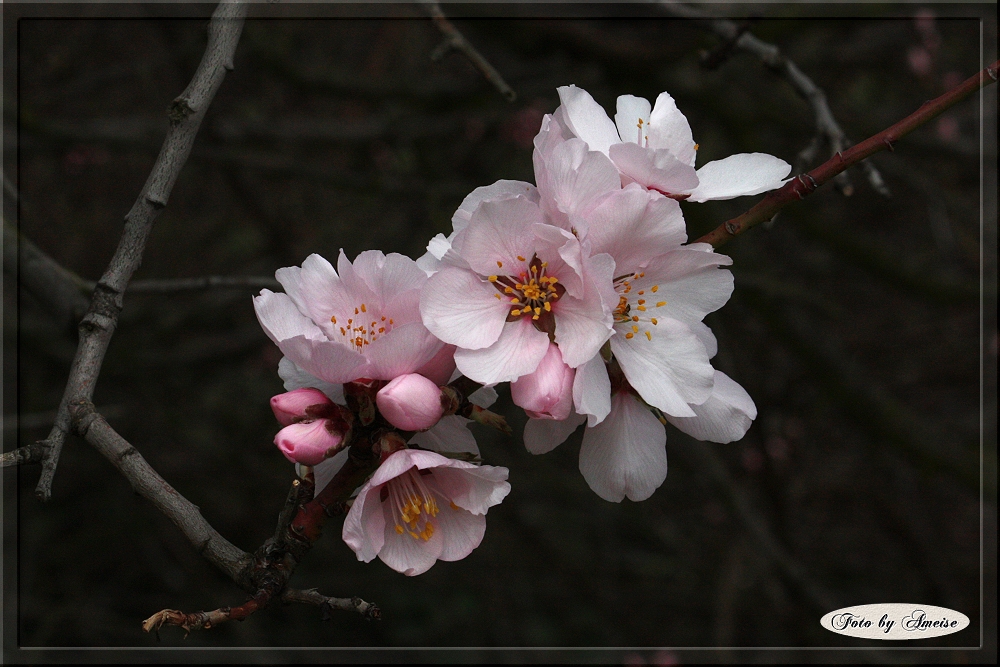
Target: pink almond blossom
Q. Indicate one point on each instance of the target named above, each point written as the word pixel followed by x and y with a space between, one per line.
pixel 312 431
pixel 653 146
pixel 359 321
pixel 420 507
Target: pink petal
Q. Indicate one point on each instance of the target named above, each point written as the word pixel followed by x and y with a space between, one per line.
pixel 325 470
pixel 499 190
pixel 292 405
pixel 724 417
pixel 281 319
pixel 499 232
pixel 688 281
pixel 543 435
pixel 307 442
pixel 325 359
pixel 670 369
pixel 632 119
pixel 461 308
pixel 546 393
pixel 669 129
pixel 633 226
pixel 410 402
pixel 739 175
pixel 407 554
pixel 403 350
pixel 625 455
pixel 587 119
pixel 440 368
pixel 461 530
pixel 517 352
pixel 451 434
pixel 584 325
pixel 574 179
pixel 364 526
pixel 475 488
pixel 653 168
pixel 296 378
pixel 592 390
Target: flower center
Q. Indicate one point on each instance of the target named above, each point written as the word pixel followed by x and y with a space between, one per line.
pixel 531 293
pixel 413 505
pixel 363 328
pixel 632 308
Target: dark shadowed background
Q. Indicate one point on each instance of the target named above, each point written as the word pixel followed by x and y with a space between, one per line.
pixel 856 326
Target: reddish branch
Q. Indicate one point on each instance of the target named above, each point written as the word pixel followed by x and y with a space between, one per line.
pixel 805 184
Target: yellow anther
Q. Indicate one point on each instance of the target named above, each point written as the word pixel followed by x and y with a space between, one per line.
pixel 508 290
pixel 660 304
pixel 655 287
pixel 399 529
pixel 696 146
pixel 383 318
pixel 492 279
pixel 453 505
pixel 499 263
pixel 355 312
pixel 635 318
pixel 521 259
pixel 333 319
pixel 653 321
pixel 545 265
pixel 635 329
pixel 649 336
pixel 641 308
pixel 629 335
pixel 363 309
pixel 538 311
pixel 642 275
pixel 641 301
pixel 548 307
pixel 515 312
pixel 641 292
pixel 498 297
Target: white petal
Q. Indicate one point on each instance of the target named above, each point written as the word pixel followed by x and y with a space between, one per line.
pixel 281 319
pixel 365 524
pixel 474 488
pixel 625 455
pixel 461 530
pixel 517 352
pixel 724 417
pixel 587 119
pixel 460 308
pixel 407 554
pixel 706 337
pixel 325 359
pixel 633 226
pixel 484 397
pixel 592 390
pixel 574 179
pixel 688 281
pixel 670 129
pixel 739 175
pixel 544 435
pixel 498 233
pixel 632 119
pixel 451 435
pixel 670 369
pixel 296 378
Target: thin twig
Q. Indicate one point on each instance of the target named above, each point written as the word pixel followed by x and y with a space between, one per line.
pixel 185 113
pixel 805 184
pixel 455 40
pixel 311 596
pixel 29 454
pixel 738 36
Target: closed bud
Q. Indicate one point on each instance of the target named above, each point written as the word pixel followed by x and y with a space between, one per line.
pixel 548 392
pixel 410 402
pixel 308 442
pixel 291 406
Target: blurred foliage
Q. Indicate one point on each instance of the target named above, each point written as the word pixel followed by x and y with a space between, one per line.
pixel 855 325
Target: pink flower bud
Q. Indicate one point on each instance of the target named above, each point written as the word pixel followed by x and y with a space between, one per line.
pixel 548 392
pixel 308 442
pixel 292 405
pixel 410 402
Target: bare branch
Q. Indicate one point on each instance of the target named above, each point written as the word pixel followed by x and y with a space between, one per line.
pixel 738 36
pixel 455 40
pixel 805 184
pixel 98 325
pixel 312 596
pixel 33 453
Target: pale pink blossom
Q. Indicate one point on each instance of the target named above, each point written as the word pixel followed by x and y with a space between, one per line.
pixel 653 146
pixel 359 321
pixel 546 393
pixel 410 402
pixel 506 283
pixel 420 507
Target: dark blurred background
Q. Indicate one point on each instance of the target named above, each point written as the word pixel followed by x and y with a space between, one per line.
pixel 856 325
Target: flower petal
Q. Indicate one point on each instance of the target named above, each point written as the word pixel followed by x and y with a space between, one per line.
pixel 450 435
pixel 592 390
pixel 498 233
pixel 500 190
pixel 461 530
pixel 403 350
pixel 658 169
pixel 670 369
pixel 724 417
pixel 460 308
pixel 407 554
pixel 325 470
pixel 516 352
pixel 625 455
pixel 543 435
pixel 364 526
pixel 632 119
pixel 689 283
pixel 473 488
pixel 634 226
pixel 296 378
pixel 739 175
pixel 325 359
pixel 281 319
pixel 669 129
pixel 573 179
pixel 587 119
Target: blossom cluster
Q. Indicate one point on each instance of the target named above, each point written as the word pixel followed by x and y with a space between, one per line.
pixel 580 290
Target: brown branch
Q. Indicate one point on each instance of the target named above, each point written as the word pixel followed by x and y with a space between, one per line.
pixel 311 596
pixel 33 453
pixel 805 184
pixel 185 113
pixel 455 40
pixel 737 36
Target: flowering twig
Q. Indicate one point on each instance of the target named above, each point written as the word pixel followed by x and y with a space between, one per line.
pixel 185 113
pixel 805 184
pixel 455 40
pixel 738 36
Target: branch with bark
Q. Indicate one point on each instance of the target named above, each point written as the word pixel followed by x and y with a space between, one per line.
pixel 804 185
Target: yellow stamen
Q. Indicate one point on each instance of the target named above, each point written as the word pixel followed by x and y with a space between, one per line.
pixel 492 279
pixel 629 335
pixel 660 304
pixel 653 321
pixel 363 309
pixel 521 259
pixel 649 336
pixel 333 319
pixel 635 329
pixel 499 263
pixel 655 287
